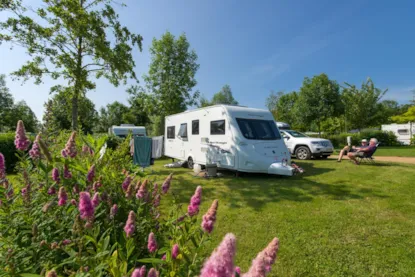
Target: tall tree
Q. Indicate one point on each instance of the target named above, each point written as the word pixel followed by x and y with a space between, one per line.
pixel 21 111
pixel 171 77
pixel 319 98
pixel 58 113
pixel 224 96
pixel 70 40
pixel 6 103
pixel 272 102
pixel 408 116
pixel 362 106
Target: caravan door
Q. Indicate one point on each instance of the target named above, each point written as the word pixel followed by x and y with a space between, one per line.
pixel 184 138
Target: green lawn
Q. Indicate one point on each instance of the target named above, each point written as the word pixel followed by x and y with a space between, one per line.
pixel 334 220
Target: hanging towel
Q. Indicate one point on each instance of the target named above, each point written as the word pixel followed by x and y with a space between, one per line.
pixel 157 147
pixel 142 151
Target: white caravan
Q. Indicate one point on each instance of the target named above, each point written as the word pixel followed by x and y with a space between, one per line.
pixel 232 137
pixel 125 129
pixel 404 132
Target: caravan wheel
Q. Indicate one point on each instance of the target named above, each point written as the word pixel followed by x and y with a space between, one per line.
pixel 190 163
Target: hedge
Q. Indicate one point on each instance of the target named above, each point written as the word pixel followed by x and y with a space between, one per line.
pixel 8 149
pixel 385 138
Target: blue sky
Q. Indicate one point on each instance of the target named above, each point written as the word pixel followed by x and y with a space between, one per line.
pixel 259 46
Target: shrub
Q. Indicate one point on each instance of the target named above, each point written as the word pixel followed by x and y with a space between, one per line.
pixel 385 138
pixel 8 150
pixel 79 212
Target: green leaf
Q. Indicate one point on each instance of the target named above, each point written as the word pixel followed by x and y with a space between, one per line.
pixel 30 275
pixel 151 261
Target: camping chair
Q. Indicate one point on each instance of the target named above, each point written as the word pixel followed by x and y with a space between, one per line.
pixel 368 157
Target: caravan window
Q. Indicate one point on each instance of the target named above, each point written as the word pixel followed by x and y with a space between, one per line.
pixel 195 127
pixel 258 129
pixel 217 127
pixel 403 131
pixel 170 132
pixel 183 130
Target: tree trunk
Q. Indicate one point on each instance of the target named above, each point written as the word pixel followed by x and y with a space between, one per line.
pixel 78 81
pixel 75 111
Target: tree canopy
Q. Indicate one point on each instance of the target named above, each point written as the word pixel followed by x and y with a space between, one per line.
pixel 224 96
pixel 71 40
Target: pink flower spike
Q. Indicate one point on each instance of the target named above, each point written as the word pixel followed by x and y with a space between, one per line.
pixel 86 208
pixel 51 190
pixel 126 183
pixel 193 208
pixel 63 197
pixel 66 173
pixel 166 184
pixel 70 147
pixel 66 242
pixel 175 251
pixel 55 175
pixel 35 151
pixel 220 263
pixel 114 210
pixel 153 273
pixel 2 166
pixel 261 265
pixel 73 202
pixel 96 200
pixel 129 227
pixel 91 174
pixel 142 192
pixel 209 218
pixel 152 243
pixel 21 141
pixel 164 257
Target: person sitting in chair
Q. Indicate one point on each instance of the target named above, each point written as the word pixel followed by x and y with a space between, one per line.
pixel 363 151
pixel 347 149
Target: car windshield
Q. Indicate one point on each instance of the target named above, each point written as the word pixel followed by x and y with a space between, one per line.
pixel 296 134
pixel 258 129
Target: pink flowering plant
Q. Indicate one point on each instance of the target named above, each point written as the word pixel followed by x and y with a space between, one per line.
pixel 78 209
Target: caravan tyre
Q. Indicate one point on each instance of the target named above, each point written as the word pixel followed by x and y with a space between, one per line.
pixel 190 163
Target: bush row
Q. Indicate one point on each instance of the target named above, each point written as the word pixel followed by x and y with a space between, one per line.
pixel 385 138
pixel 9 150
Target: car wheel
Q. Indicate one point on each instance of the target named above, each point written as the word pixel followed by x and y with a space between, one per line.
pixel 303 153
pixel 190 163
pixel 324 157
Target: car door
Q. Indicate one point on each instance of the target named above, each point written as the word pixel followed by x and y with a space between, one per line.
pixel 288 140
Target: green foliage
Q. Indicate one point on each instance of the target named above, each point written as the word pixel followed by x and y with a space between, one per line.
pixel 170 79
pixel 58 117
pixel 318 99
pixel 11 112
pixel 408 116
pixel 9 150
pixel 224 96
pixel 70 39
pixel 272 103
pixel 362 107
pixel 340 140
pixel 40 232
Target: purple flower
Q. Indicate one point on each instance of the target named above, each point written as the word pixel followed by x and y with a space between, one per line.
pixel 86 208
pixel 126 183
pixel 75 189
pixel 52 190
pixel 152 243
pixel 155 189
pixel 130 191
pixel 164 257
pixel 66 173
pixel 2 166
pixel 35 151
pixel 24 191
pixel 66 242
pixel 63 197
pixel 114 210
pixel 95 200
pixel 21 141
pixel 139 272
pixel 175 251
pixel 70 147
pixel 55 175
pixel 91 174
pixel 193 208
pixel 238 270
pixel 142 192
pixel 73 202
pixel 156 201
pixel 153 273
pixel 220 263
pixel 210 217
pixel 129 227
pixel 261 265
pixel 166 184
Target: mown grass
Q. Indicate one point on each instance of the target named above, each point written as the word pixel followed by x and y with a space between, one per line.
pixel 334 220
pixel 401 151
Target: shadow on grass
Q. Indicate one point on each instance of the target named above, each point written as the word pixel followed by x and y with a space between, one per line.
pixel 256 190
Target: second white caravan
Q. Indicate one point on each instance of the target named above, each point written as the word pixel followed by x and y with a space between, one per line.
pixel 232 137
